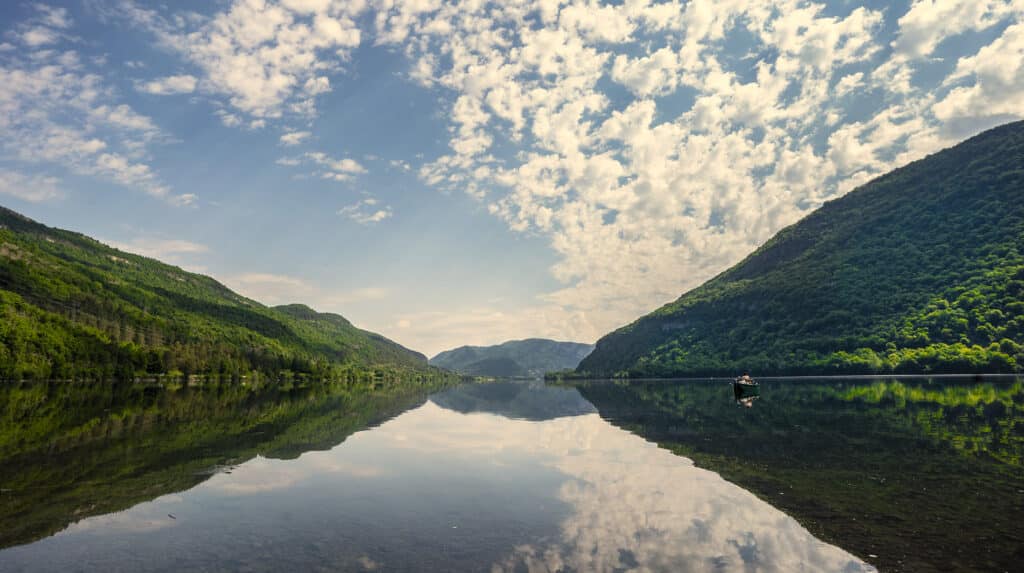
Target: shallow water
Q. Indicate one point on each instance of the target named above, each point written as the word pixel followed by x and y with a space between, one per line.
pixel 496 477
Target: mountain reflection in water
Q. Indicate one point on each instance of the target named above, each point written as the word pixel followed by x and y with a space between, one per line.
pixel 919 474
pixel 503 477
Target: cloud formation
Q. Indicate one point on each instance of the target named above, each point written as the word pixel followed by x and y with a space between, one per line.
pixel 294 138
pixel 366 212
pixel 180 84
pixel 708 153
pixel 56 111
pixel 326 167
pixel 268 59
pixel 32 188
pixel 651 143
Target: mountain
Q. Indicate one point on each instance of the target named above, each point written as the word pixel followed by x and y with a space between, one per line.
pixel 531 357
pixel 73 307
pixel 920 270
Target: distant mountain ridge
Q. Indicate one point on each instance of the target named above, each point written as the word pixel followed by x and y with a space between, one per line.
pixel 532 357
pixel 920 270
pixel 71 306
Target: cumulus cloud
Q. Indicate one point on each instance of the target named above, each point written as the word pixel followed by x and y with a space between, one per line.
pixel 995 92
pixel 268 59
pixel 644 198
pixel 656 74
pixel 45 28
pixel 345 165
pixel 32 188
pixel 653 143
pixel 294 138
pixel 58 112
pixel 180 84
pixel 366 212
pixel 928 22
pixel 326 167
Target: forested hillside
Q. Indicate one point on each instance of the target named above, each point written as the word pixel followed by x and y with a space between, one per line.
pixel 73 307
pixel 532 357
pixel 921 270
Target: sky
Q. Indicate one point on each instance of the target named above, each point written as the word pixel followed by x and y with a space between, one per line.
pixel 464 172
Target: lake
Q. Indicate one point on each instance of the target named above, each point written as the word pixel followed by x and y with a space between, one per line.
pixel 907 474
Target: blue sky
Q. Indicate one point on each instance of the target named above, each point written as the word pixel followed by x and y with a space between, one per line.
pixel 455 173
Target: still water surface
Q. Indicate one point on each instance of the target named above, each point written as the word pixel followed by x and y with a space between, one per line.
pixel 513 477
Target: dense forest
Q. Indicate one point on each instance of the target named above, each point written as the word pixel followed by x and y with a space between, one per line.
pixel 532 357
pixel 71 307
pixel 918 271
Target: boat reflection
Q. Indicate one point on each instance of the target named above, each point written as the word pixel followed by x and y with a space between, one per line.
pixel 745 394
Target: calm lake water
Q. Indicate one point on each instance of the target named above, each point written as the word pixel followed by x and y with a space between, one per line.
pixel 816 475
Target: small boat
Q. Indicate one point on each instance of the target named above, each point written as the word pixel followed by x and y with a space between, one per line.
pixel 746 386
pixel 745 380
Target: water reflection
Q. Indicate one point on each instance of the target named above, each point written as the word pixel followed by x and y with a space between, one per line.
pixel 516 400
pixel 68 451
pixel 501 478
pixel 925 475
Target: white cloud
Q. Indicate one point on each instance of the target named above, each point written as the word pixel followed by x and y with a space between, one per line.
pixel 289 161
pixel 39 36
pixel 268 59
pixel 643 201
pixel 54 17
pixel 341 170
pixel 653 75
pixel 632 136
pixel 56 111
pixel 928 22
pixel 180 84
pixel 45 28
pixel 183 199
pixel 228 119
pixel 996 90
pixel 366 212
pixel 294 138
pixel 344 165
pixel 400 165
pixel 32 188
